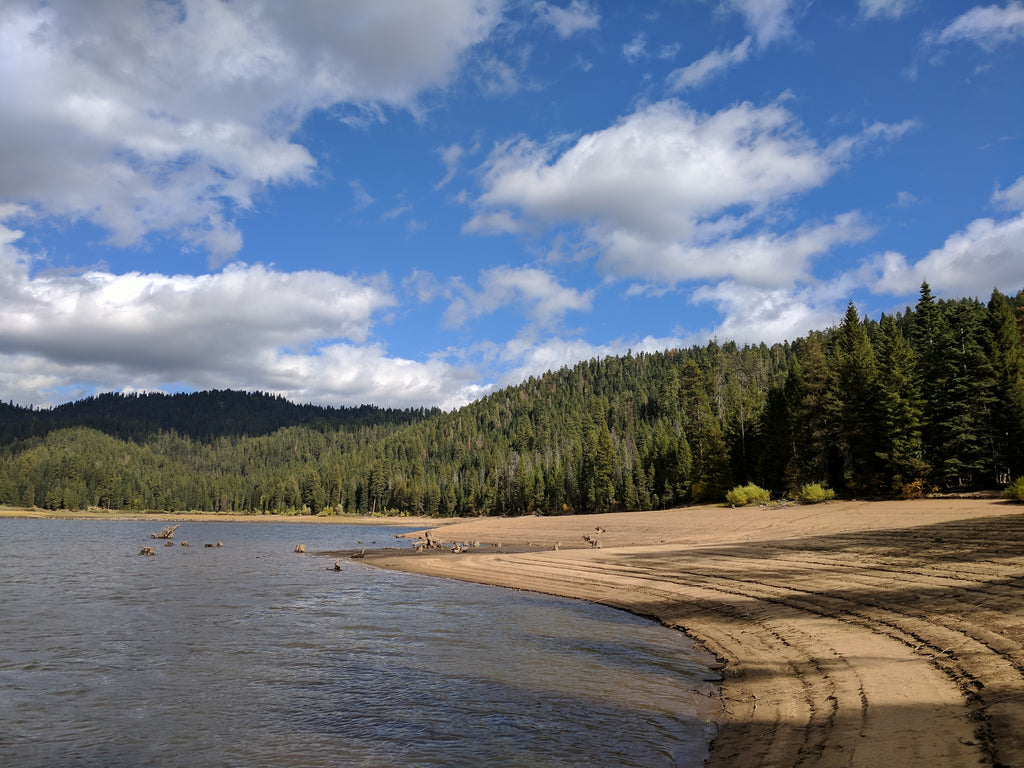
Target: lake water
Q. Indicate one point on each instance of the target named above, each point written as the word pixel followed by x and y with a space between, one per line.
pixel 252 655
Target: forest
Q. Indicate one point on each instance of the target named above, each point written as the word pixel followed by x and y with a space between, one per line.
pixel 926 400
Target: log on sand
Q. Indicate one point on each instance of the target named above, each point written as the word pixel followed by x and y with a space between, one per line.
pixel 852 633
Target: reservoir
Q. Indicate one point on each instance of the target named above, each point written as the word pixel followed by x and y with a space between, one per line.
pixel 249 654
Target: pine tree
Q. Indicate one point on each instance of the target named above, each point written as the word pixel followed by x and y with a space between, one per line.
pixel 1006 354
pixel 814 417
pixel 899 439
pixel 959 412
pixel 857 433
pixel 712 475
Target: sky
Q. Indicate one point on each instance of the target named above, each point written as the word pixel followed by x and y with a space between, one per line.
pixel 413 203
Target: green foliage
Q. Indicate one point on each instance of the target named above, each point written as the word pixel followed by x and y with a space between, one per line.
pixel 747 495
pixel 814 493
pixel 1015 490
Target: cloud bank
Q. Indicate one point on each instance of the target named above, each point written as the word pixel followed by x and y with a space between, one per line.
pixel 97 125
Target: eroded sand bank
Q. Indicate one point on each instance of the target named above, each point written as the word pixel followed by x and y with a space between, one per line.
pixel 852 633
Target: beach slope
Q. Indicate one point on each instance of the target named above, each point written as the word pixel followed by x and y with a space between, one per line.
pixel 851 633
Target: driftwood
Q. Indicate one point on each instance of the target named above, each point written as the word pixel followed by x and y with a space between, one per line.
pixel 166 533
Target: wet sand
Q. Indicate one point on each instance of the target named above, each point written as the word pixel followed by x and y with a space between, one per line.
pixel 850 633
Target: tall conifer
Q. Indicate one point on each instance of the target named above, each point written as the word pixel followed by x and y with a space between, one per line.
pixel 899 442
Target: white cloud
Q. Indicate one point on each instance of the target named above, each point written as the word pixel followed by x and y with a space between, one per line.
pixel 1012 197
pixel 986 255
pixel 660 169
pixel 97 125
pixel 905 199
pixel 764 259
pixel 451 156
pixel 537 293
pixel 362 198
pixel 423 285
pixel 890 9
pixel 754 315
pixel 301 334
pixel 635 49
pixel 670 194
pixel 523 358
pixel 769 20
pixel 495 77
pixel 986 26
pixel 575 17
pixel 702 70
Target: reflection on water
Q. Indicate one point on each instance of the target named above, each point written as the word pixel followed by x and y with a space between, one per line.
pixel 252 655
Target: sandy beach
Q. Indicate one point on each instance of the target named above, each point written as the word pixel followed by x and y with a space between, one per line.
pixel 849 633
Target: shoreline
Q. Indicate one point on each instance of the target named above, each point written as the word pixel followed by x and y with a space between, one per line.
pixel 849 633
pixel 213 517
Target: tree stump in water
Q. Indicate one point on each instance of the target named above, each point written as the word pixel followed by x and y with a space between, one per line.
pixel 166 533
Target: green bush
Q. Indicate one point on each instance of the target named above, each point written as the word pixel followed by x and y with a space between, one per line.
pixel 813 493
pixel 747 495
pixel 1015 490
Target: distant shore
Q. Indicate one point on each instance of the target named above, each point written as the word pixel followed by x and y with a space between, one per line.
pixel 212 517
pixel 850 633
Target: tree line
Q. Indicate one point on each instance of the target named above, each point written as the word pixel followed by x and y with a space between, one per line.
pixel 928 399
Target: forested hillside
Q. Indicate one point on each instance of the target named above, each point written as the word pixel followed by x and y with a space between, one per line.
pixel 928 399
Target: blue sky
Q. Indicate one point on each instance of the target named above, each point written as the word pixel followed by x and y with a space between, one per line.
pixel 415 202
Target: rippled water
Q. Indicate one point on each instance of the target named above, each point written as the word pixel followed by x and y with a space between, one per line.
pixel 251 655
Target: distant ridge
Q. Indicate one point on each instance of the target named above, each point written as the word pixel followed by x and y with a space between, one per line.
pixel 201 416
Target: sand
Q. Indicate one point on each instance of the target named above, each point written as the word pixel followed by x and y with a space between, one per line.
pixel 849 633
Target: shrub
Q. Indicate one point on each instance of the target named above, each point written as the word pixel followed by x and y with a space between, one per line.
pixel 1015 490
pixel 914 490
pixel 747 495
pixel 814 493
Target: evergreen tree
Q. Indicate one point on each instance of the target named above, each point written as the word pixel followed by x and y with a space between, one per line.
pixel 899 435
pixel 711 470
pixel 814 414
pixel 857 424
pixel 1006 354
pixel 962 400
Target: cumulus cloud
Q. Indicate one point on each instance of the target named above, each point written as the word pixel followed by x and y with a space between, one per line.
pixel 986 254
pixel 889 9
pixel 764 259
pixel 575 17
pixel 707 67
pixel 537 293
pixel 754 315
pixel 670 194
pixel 305 335
pixel 985 26
pixel 97 126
